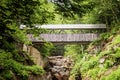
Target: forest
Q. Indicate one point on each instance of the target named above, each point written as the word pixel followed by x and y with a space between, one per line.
pixel 89 62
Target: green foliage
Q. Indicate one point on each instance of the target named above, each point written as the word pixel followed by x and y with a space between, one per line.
pixel 45 49
pixel 116 40
pixel 89 65
pixel 75 69
pixel 12 59
pixel 44 13
pixel 95 11
pixel 35 69
pixel 91 11
pixel 93 72
pixel 113 76
pixel 78 63
pixel 10 66
pixel 74 50
pixel 103 12
pixel 20 13
pixel 6 75
pixel 15 12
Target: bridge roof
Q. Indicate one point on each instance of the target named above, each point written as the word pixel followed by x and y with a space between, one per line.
pixel 71 26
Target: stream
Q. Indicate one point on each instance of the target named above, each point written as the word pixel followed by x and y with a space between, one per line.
pixel 58 68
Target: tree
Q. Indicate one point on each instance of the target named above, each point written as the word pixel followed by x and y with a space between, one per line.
pixel 12 14
pixel 91 11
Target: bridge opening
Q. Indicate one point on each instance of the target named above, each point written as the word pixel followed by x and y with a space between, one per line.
pixel 58 50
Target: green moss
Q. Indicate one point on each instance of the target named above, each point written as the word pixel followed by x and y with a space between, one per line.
pixel 90 64
pixel 93 73
pixel 115 75
pixel 35 69
pixel 116 40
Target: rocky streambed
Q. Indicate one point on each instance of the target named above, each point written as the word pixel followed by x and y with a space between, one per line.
pixel 58 68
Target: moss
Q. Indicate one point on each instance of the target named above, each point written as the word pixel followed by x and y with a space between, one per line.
pixel 35 69
pixel 115 75
pixel 93 73
pixel 8 66
pixel 116 40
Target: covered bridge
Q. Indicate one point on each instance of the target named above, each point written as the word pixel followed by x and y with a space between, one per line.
pixel 86 33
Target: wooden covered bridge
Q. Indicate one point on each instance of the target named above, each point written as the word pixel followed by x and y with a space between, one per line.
pixel 85 33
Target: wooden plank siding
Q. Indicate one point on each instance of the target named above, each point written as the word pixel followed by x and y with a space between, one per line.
pixel 67 38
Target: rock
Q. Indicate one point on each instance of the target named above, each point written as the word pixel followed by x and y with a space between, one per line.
pixel 61 67
pixel 58 63
pixel 57 67
pixel 58 76
pixel 55 57
pixel 102 60
pixel 49 76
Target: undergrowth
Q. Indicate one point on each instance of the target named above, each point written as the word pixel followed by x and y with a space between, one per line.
pixel 10 68
pixel 102 64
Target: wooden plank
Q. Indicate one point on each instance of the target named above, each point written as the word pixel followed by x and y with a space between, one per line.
pixel 71 26
pixel 87 37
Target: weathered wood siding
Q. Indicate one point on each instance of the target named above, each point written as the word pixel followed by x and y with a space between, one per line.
pixel 87 37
